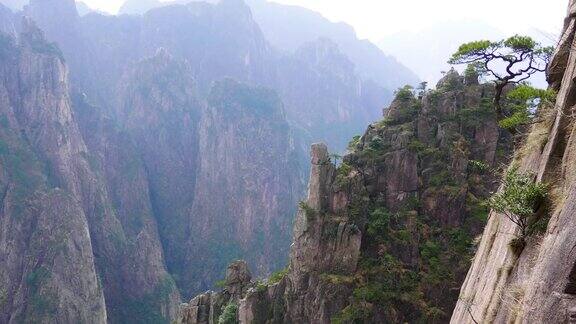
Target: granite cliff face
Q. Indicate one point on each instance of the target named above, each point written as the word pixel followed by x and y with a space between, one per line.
pixel 248 169
pixel 77 252
pixel 108 206
pixel 46 251
pixel 536 286
pixel 384 236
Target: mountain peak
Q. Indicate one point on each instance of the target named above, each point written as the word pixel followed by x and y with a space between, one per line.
pixel 31 34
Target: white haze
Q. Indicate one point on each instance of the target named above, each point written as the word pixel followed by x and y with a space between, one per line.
pixel 375 19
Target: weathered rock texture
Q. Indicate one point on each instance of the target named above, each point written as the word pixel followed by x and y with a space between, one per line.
pixel 385 236
pixel 207 308
pixel 160 185
pixel 538 285
pixel 82 229
pixel 248 172
pixel 46 254
pixel 207 174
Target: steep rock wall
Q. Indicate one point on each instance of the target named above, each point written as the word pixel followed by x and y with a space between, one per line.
pixel 248 182
pixel 537 286
pixel 87 231
pixel 47 265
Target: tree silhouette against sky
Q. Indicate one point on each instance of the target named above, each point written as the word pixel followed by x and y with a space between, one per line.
pixel 508 62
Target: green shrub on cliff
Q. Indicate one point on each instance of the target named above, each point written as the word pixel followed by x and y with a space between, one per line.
pixel 308 211
pixel 405 93
pixel 379 223
pixel 277 276
pixel 343 172
pixel 353 144
pixel 229 315
pixel 519 199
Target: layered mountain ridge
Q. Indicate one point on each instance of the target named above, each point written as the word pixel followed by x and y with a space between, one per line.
pixel 221 40
pixel 307 26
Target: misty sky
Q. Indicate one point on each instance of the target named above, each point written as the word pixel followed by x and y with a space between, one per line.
pixel 375 19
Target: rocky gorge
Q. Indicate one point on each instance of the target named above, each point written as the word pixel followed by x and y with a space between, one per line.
pixel 138 160
pixel 361 271
pixel 142 155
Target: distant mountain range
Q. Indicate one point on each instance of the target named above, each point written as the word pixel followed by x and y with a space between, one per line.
pixel 289 27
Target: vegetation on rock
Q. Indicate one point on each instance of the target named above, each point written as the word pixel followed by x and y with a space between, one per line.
pixel 308 211
pixel 229 315
pixel 413 254
pixel 522 103
pixel 277 276
pixel 519 200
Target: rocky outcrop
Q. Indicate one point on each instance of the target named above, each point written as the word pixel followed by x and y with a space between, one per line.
pixel 322 244
pixel 537 285
pixel 207 308
pixel 368 239
pixel 309 300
